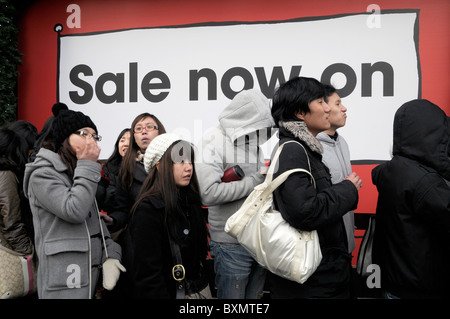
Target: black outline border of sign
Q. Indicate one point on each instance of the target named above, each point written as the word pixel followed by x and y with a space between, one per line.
pixel 232 23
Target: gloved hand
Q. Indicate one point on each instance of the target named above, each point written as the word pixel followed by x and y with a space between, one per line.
pixel 111 273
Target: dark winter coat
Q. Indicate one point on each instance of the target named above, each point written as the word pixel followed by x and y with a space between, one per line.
pixel 147 253
pixel 125 199
pixel 319 209
pixel 13 233
pixel 412 238
pixel 106 190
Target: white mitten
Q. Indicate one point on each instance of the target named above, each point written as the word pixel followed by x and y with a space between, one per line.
pixel 111 273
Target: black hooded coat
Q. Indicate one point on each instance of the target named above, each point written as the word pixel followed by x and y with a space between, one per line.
pixel 412 237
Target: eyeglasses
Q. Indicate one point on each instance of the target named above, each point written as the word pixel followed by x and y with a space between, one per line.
pixel 147 127
pixel 96 137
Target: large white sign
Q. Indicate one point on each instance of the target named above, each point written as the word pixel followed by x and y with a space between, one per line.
pixel 186 75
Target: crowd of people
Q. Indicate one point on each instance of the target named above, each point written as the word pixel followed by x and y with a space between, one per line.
pixel 142 223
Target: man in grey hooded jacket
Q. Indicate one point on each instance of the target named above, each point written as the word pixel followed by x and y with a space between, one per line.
pixel 244 125
pixel 336 154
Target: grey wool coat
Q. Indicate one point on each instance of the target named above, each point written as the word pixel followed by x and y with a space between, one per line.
pixel 67 226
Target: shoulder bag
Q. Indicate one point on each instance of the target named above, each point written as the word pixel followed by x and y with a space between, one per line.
pixel 17 274
pixel 365 250
pixel 185 289
pixel 277 246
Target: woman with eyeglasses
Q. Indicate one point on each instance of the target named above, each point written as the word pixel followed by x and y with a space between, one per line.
pixel 72 241
pixel 144 129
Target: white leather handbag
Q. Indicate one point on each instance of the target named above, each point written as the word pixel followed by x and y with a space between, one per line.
pixel 277 246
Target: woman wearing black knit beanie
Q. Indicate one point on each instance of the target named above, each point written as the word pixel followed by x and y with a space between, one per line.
pixel 72 241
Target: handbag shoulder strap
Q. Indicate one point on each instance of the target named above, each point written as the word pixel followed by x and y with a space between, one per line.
pixel 273 184
pixel 178 271
pixel 101 229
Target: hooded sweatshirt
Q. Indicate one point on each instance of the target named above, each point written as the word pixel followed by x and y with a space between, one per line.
pixel 336 156
pixel 243 127
pixel 411 243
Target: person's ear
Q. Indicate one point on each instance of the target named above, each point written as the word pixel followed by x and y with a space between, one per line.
pixel 157 166
pixel 301 115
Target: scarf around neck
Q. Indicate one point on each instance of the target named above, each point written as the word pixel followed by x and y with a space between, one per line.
pixel 140 157
pixel 299 130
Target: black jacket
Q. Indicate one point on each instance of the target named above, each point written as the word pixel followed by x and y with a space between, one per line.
pixel 321 209
pixel 147 254
pixel 106 189
pixel 412 236
pixel 125 199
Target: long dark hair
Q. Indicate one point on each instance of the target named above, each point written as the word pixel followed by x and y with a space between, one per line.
pixel 13 152
pixel 115 159
pixel 27 131
pixel 129 160
pixel 65 152
pixel 160 183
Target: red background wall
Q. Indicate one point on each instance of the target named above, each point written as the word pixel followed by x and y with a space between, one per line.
pixel 37 40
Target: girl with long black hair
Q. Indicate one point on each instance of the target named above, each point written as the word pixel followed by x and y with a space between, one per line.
pixel 167 214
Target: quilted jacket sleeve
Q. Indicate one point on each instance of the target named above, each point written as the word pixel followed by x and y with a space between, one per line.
pixel 13 234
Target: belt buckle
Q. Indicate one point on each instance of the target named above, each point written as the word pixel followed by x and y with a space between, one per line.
pixel 178 272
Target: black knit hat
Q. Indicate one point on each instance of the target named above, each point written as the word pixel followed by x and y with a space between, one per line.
pixel 67 122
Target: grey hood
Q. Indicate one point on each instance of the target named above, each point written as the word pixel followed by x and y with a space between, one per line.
pixel 44 158
pixel 248 112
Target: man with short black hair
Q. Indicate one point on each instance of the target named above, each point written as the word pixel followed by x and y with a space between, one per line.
pixel 336 154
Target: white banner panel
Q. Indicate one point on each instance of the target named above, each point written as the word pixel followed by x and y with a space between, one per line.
pixel 186 75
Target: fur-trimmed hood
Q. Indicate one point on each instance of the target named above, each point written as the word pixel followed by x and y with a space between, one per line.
pixel 299 130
